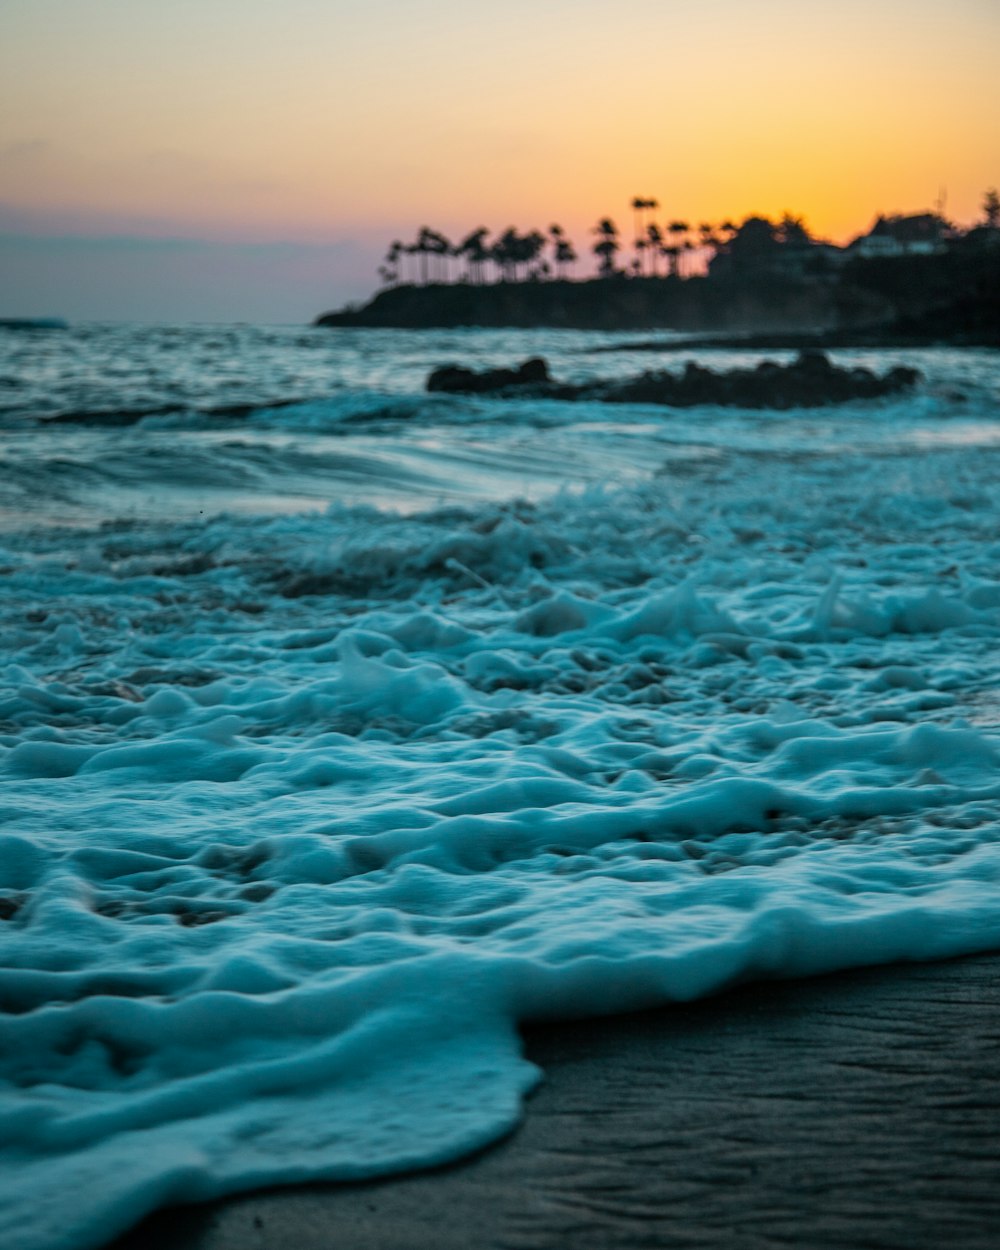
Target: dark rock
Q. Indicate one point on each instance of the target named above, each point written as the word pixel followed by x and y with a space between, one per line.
pixel 813 361
pixel 455 379
pixel 810 381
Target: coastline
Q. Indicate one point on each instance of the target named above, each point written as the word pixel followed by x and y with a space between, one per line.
pixel 854 1109
pixel 915 301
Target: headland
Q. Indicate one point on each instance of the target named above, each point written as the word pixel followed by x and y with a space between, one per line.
pixel 909 282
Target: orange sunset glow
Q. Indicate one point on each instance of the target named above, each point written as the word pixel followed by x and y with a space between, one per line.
pixel 342 125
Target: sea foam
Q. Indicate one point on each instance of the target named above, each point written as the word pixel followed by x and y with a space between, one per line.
pixel 301 816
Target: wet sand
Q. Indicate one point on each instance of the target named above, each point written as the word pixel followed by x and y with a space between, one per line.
pixel 855 1111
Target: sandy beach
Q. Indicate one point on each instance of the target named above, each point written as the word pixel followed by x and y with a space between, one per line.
pixel 857 1110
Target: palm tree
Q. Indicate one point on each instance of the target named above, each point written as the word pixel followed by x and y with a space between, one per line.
pixel 556 234
pixel 389 269
pixel 411 249
pixel 639 206
pixel 638 264
pixel 654 245
pixel 991 208
pixel 606 246
pixel 423 249
pixel 503 253
pixel 530 248
pixel 708 243
pixel 440 246
pixel 677 231
pixel 563 252
pixel 476 253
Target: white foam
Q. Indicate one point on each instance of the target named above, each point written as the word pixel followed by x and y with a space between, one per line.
pixel 302 816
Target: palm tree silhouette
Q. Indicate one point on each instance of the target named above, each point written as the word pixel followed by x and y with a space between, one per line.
pixel 440 246
pixel 522 256
pixel 606 246
pixel 639 207
pixel 422 248
pixel 503 253
pixel 530 247
pixel 556 234
pixel 654 244
pixel 476 253
pixel 389 269
pixel 677 230
pixel 991 208
pixel 563 253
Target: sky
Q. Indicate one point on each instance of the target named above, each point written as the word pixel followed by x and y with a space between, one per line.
pixel 205 160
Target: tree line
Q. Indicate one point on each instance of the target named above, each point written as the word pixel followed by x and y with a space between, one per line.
pixel 671 249
pixel 536 255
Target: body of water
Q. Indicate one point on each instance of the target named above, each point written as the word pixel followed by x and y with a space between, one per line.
pixel 344 727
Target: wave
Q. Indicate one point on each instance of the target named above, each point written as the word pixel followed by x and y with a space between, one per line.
pixel 118 417
pixel 303 816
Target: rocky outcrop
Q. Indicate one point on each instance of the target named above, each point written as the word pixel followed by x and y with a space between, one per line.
pixel 810 381
pixel 533 372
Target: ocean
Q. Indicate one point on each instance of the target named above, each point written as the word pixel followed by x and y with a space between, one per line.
pixel 345 727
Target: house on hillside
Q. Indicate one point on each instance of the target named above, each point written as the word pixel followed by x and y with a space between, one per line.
pixel 765 249
pixel 980 240
pixel 808 259
pixel 920 234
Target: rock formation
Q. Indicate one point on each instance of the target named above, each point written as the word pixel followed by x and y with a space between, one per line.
pixel 810 381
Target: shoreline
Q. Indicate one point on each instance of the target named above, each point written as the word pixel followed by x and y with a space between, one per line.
pixel 914 301
pixel 859 1108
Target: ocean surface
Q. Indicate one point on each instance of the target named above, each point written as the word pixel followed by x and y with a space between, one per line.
pixel 343 727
